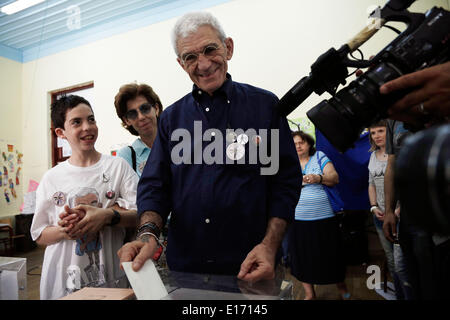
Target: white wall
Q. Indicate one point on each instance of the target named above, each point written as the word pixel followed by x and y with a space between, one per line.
pixel 275 44
pixel 10 131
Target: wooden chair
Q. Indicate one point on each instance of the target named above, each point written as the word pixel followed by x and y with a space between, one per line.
pixel 7 236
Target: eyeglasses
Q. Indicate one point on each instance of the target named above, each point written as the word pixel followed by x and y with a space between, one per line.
pixel 143 109
pixel 209 51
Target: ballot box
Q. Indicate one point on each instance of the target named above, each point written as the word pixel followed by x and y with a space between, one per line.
pixel 13 278
pixel 193 286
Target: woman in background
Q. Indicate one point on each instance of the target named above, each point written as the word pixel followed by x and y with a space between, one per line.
pixel 377 168
pixel 316 244
pixel 139 108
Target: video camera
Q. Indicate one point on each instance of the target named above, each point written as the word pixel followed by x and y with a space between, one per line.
pixel 425 42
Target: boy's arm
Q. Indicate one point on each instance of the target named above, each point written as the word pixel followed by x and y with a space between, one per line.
pixel 128 218
pixel 53 234
pixel 43 229
pixel 93 219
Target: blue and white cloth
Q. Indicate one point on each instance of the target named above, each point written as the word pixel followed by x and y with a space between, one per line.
pixel 313 203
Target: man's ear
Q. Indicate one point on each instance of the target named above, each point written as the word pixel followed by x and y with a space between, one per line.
pixel 230 47
pixel 181 64
pixel 60 133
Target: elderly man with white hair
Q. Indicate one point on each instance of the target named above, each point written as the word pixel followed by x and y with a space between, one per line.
pixel 228 215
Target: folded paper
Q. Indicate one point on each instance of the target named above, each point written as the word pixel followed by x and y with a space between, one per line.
pixel 146 283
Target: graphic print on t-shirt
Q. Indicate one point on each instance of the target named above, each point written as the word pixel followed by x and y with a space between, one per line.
pixel 93 274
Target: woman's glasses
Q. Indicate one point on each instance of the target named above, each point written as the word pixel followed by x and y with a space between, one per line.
pixel 144 109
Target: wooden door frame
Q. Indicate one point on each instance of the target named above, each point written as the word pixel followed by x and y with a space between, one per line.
pixel 57 154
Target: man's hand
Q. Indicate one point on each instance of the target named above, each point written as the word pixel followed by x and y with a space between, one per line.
pixel 259 264
pixel 431 88
pixel 390 227
pixel 93 220
pixel 145 247
pixel 137 251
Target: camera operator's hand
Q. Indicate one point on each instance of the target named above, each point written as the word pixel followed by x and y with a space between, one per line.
pixel 431 95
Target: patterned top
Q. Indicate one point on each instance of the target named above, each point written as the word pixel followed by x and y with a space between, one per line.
pixel 377 168
pixel 313 203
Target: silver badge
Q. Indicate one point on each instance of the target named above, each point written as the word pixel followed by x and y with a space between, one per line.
pixel 59 198
pixel 231 137
pixel 242 139
pixel 235 151
pixel 105 177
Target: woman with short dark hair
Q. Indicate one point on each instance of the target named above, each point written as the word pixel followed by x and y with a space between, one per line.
pixel 139 108
pixel 316 245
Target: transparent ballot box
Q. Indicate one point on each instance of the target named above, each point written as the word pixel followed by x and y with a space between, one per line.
pixel 13 278
pixel 192 286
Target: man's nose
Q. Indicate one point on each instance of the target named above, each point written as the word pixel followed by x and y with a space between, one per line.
pixel 203 62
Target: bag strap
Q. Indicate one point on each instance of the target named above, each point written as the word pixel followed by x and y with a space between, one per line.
pixel 319 160
pixel 133 157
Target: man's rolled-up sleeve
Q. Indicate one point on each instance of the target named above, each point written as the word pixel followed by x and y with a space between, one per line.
pixel 154 192
pixel 285 185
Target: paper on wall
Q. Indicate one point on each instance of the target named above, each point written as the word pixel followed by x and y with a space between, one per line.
pixel 32 185
pixel 146 283
pixel 29 203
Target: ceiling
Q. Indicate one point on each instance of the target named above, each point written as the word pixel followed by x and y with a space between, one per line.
pixel 56 25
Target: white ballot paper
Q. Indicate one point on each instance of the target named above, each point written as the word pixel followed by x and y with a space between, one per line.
pixel 146 283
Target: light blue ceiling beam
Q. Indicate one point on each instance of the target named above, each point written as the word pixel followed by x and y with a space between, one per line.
pixel 58 27
pixel 11 53
pixel 138 18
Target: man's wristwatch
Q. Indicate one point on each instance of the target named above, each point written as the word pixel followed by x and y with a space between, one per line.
pixel 115 219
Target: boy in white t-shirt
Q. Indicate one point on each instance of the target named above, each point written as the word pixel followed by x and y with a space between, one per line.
pixel 83 206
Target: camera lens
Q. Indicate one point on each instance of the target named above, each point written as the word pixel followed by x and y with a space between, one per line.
pixel 334 124
pixel 342 118
pixel 422 179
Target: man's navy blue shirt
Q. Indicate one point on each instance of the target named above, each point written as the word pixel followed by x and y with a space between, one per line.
pixel 220 212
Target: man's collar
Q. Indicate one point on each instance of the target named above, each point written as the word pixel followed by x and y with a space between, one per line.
pixel 224 89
